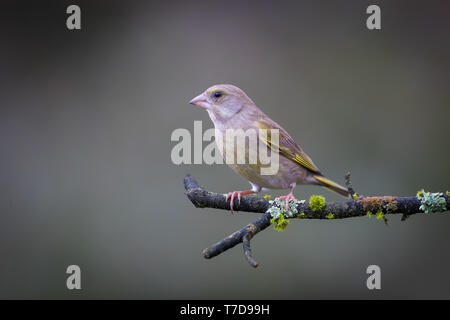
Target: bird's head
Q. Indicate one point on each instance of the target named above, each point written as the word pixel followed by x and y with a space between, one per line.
pixel 222 101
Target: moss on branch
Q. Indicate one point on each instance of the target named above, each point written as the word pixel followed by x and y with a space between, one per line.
pixel 274 211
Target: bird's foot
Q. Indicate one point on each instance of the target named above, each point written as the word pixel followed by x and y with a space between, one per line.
pixel 290 196
pixel 238 194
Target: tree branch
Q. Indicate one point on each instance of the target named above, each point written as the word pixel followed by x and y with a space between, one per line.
pixel 335 210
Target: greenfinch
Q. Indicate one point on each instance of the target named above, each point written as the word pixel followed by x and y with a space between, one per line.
pixel 231 109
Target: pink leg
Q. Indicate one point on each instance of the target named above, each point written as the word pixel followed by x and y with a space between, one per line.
pixel 290 196
pixel 239 194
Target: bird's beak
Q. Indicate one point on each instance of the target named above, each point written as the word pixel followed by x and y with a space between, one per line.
pixel 200 101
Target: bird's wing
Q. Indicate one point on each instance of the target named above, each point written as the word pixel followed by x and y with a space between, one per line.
pixel 286 146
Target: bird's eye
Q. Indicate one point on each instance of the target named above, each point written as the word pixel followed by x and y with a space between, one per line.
pixel 217 94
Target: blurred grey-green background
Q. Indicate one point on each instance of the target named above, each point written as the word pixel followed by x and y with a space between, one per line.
pixel 86 116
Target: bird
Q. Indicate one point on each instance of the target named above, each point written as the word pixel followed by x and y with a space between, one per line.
pixel 229 107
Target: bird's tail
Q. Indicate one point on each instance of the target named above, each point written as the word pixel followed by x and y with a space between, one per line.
pixel 333 186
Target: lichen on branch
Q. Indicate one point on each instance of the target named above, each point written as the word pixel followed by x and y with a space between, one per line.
pixel 274 211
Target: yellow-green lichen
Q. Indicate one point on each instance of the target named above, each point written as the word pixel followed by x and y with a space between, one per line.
pixel 447 193
pixel 330 216
pixel 369 214
pixel 280 223
pixel 280 215
pixel 380 216
pixel 316 202
pixel 267 196
pixel 354 196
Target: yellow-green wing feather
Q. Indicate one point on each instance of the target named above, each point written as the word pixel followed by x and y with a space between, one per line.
pixel 287 146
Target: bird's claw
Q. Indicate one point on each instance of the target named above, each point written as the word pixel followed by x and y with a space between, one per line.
pixel 290 196
pixel 238 194
pixel 233 195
